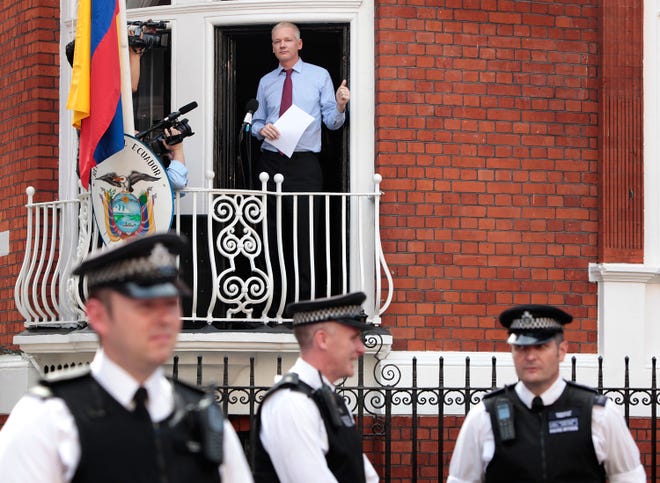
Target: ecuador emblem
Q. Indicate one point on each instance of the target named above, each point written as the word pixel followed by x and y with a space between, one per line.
pixel 131 194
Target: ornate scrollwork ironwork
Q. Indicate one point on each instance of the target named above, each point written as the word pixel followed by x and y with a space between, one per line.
pixel 242 284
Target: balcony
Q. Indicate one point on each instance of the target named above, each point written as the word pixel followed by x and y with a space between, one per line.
pixel 238 297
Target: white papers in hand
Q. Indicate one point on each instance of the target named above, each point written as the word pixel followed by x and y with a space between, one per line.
pixel 291 126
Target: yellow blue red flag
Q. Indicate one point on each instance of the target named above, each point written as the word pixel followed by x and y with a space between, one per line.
pixel 95 94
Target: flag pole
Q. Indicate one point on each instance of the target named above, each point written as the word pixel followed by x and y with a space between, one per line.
pixel 125 70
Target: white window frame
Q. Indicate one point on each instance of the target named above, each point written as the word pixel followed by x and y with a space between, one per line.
pixel 193 58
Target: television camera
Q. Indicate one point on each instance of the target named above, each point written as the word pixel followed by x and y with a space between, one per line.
pixel 155 135
pixel 147 34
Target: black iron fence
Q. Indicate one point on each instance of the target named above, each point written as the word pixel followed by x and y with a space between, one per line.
pixel 384 408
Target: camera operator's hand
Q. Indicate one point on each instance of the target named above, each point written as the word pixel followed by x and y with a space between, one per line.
pixel 141 37
pixel 136 35
pixel 175 151
pixel 136 46
pixel 135 51
pixel 177 171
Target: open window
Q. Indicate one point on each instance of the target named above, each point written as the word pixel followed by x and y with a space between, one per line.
pixel 243 55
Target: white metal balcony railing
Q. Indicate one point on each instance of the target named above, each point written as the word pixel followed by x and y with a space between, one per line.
pixel 230 270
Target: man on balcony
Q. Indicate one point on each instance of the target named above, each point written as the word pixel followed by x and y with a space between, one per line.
pixel 304 432
pixel 308 87
pixel 543 428
pixel 121 419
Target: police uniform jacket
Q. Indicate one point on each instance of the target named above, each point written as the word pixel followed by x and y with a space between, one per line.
pixel 549 443
pixel 294 435
pixel 603 435
pixel 41 441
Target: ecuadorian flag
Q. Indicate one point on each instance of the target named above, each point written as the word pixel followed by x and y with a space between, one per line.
pixel 95 95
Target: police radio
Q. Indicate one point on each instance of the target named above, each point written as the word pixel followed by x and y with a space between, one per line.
pixel 504 418
pixel 326 398
pixel 336 410
pixel 211 427
pixel 199 427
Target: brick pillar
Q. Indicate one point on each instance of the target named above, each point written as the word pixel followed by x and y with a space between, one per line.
pixel 622 227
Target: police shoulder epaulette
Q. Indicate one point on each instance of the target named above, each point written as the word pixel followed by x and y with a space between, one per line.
pixel 69 374
pixel 581 386
pixel 497 392
pixel 190 387
pixel 288 379
pixel 599 399
pixel 291 381
pixel 41 391
pixel 191 393
pixel 44 390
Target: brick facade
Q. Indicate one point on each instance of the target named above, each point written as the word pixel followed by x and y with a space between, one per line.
pixel 29 93
pixel 487 140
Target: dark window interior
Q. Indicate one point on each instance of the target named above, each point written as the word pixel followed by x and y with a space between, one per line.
pixel 146 3
pixel 151 102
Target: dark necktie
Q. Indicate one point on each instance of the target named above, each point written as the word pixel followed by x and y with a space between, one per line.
pixel 140 399
pixel 537 404
pixel 287 92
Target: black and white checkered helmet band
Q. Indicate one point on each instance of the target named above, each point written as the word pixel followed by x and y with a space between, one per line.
pixel 528 322
pixel 159 264
pixel 331 313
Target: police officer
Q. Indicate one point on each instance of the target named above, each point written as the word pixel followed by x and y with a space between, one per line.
pixel 543 428
pixel 304 432
pixel 121 419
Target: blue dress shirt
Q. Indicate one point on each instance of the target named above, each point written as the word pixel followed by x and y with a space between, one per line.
pixel 177 172
pixel 313 92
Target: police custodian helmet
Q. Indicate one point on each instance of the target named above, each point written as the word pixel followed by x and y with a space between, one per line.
pixel 533 324
pixel 142 267
pixel 345 309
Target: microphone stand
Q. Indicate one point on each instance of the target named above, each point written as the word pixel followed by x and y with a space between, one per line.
pixel 248 153
pixel 246 168
pixel 239 161
pixel 251 107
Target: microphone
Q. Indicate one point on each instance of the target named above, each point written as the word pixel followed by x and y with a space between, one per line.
pixel 182 110
pixel 251 106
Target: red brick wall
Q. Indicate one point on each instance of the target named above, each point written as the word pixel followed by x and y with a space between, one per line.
pixel 487 140
pixel 29 40
pixel 643 436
